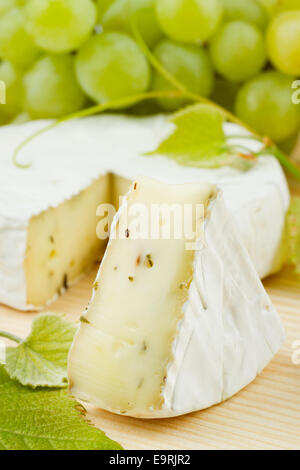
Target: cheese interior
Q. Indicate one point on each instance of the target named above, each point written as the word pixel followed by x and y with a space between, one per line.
pixel 62 243
pixel 120 187
pixel 120 356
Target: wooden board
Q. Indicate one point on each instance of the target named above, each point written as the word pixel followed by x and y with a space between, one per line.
pixel 265 415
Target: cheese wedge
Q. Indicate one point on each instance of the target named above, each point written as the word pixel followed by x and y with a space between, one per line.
pixel 48 212
pixel 176 324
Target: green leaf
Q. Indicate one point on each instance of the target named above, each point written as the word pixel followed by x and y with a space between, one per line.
pixel 293 224
pixel 45 420
pixel 198 140
pixel 41 359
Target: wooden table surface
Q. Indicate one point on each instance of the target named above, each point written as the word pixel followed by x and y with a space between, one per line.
pixel 265 415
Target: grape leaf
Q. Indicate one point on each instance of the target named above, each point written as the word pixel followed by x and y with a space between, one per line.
pixel 199 140
pixel 41 359
pixel 44 419
pixel 293 223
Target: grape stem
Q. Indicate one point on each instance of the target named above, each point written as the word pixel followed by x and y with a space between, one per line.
pixel 179 91
pixel 282 158
pixel 285 162
pixel 97 109
pixel 242 149
pixel 16 339
pixel 176 83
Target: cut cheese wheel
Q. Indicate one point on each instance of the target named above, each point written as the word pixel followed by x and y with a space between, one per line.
pixel 48 212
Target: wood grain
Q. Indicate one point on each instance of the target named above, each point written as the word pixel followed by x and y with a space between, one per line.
pixel 265 415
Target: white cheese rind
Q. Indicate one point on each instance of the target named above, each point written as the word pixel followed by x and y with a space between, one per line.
pixel 13 241
pixel 229 331
pixel 69 158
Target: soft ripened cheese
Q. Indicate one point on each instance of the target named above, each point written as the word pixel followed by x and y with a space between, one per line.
pixel 255 203
pixel 172 330
pixel 110 149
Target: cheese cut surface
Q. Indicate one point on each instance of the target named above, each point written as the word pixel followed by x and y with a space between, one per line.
pixel 68 160
pixel 62 243
pixel 171 330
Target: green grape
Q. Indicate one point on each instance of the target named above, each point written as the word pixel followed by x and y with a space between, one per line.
pixel 21 118
pixel 51 89
pixel 284 5
pixel 273 7
pixel 6 5
pixel 289 144
pixel 189 64
pixel 11 76
pixel 102 6
pixel 283 41
pixel 60 25
pixel 269 6
pixel 246 10
pixel 118 16
pixel 189 21
pixel 238 51
pixel 111 66
pixel 3 120
pixel 265 104
pixel 16 45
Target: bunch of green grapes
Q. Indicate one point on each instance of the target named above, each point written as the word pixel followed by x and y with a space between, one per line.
pixel 59 56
